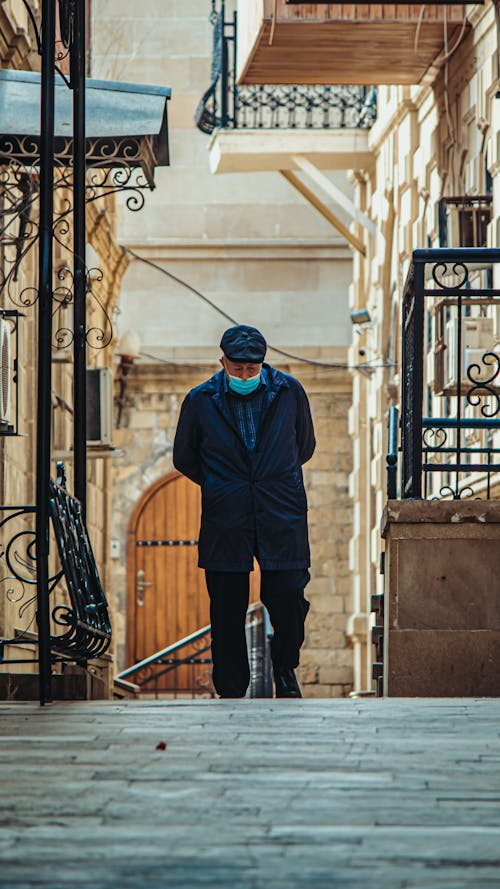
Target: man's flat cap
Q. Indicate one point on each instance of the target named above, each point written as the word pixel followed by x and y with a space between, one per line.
pixel 243 343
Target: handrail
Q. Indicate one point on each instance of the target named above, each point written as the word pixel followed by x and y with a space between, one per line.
pixel 158 655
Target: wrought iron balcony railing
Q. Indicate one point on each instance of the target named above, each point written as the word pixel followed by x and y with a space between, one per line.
pixel 450 422
pixel 227 105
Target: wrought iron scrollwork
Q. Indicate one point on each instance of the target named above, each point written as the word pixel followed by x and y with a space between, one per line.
pixel 434 438
pixel 98 337
pixel 449 493
pixel 19 230
pixel 483 386
pixel 443 269
pixel 18 563
pixel 115 180
pixel 18 555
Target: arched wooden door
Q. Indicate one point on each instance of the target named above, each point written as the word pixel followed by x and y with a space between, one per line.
pixel 167 595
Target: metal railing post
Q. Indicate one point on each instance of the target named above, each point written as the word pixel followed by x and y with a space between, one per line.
pixel 392 454
pixel 235 66
pixel 79 263
pixel 44 406
pixel 224 70
pixel 412 382
pixel 418 381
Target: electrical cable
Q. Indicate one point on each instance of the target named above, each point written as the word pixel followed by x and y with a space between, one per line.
pixel 209 302
pixel 273 23
pixel 417 32
pixel 449 52
pixel 451 127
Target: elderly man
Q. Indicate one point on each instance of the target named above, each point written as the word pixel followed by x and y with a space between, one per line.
pixel 243 436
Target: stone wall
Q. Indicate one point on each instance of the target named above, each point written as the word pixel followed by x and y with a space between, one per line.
pixel 326 662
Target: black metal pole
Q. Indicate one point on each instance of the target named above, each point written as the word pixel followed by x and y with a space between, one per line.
pixel 392 454
pixel 418 381
pixel 224 69
pixel 44 346
pixel 235 71
pixel 79 267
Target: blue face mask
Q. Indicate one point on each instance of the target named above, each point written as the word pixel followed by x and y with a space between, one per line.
pixel 244 387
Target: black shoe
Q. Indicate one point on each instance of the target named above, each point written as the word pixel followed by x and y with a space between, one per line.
pixel 231 692
pixel 286 683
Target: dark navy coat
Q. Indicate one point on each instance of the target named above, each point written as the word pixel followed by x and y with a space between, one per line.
pixel 252 504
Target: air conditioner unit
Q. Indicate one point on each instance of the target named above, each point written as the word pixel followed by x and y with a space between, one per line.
pixel 477 339
pixel 5 376
pixel 99 405
pixel 463 221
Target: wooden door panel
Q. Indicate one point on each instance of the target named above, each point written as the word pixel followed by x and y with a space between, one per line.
pixel 167 595
pixel 163 555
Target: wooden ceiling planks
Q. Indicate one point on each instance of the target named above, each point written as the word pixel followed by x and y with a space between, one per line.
pixel 352 43
pixel 361 11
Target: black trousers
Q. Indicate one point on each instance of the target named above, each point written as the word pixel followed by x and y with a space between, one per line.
pixel 282 592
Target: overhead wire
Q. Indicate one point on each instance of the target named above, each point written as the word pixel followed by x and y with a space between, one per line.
pixel 311 361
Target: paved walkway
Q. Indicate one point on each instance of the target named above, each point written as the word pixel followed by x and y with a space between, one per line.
pixel 251 794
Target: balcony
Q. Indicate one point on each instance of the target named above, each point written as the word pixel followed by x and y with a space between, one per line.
pixel 281 41
pixel 262 127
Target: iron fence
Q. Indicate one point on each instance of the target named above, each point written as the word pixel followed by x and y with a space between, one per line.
pixel 227 104
pixel 450 422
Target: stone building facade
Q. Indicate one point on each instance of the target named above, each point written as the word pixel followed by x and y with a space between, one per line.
pixel 263 257
pixel 432 141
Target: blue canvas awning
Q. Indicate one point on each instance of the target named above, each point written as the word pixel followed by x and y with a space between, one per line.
pixel 126 123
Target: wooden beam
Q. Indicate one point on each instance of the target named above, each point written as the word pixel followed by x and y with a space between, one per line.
pixel 294 180
pixel 334 192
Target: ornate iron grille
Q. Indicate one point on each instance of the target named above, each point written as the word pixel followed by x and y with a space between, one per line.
pixel 259 106
pixel 450 450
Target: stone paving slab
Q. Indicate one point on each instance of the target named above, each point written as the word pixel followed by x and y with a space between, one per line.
pixel 385 794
